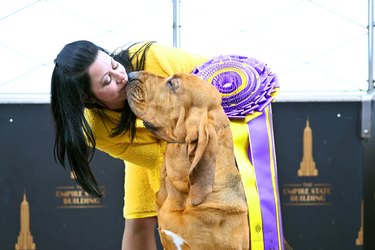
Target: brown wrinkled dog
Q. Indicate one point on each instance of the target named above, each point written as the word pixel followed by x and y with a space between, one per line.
pixel 201 203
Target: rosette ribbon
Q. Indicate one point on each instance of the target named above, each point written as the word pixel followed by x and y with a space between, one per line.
pixel 248 87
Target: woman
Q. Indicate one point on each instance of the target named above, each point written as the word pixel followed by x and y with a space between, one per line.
pixel 90 111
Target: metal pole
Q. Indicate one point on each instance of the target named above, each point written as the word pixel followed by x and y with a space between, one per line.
pixel 367 99
pixel 369 144
pixel 370 46
pixel 176 24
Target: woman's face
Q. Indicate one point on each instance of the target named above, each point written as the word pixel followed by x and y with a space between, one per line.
pixel 108 80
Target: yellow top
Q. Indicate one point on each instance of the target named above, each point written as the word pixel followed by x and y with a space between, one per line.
pixel 145 150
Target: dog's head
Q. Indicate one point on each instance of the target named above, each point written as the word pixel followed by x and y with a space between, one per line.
pixel 182 108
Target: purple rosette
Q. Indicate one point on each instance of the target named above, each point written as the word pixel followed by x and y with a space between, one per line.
pixel 246 84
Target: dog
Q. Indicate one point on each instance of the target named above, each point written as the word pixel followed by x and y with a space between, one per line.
pixel 201 203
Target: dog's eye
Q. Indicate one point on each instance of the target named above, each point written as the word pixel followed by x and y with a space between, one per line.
pixel 149 126
pixel 172 84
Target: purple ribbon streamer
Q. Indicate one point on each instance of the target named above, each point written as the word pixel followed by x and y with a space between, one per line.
pixel 276 176
pixel 260 158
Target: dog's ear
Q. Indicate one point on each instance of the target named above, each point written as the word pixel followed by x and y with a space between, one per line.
pixel 202 149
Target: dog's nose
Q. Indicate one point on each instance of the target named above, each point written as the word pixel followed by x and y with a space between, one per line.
pixel 132 76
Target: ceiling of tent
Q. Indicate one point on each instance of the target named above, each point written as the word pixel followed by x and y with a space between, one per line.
pixel 312 45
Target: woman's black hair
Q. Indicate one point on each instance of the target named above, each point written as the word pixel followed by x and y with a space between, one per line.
pixel 71 94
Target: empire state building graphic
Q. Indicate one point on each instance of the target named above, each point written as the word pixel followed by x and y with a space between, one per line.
pixel 25 240
pixel 307 166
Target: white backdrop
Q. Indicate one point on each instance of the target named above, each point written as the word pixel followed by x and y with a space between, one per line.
pixel 314 46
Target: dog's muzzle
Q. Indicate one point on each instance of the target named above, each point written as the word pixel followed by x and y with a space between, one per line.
pixel 132 77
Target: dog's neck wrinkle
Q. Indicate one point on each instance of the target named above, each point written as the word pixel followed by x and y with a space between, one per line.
pixel 176 142
pixel 184 142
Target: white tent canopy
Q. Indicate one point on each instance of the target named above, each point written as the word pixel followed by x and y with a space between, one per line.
pixel 315 46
